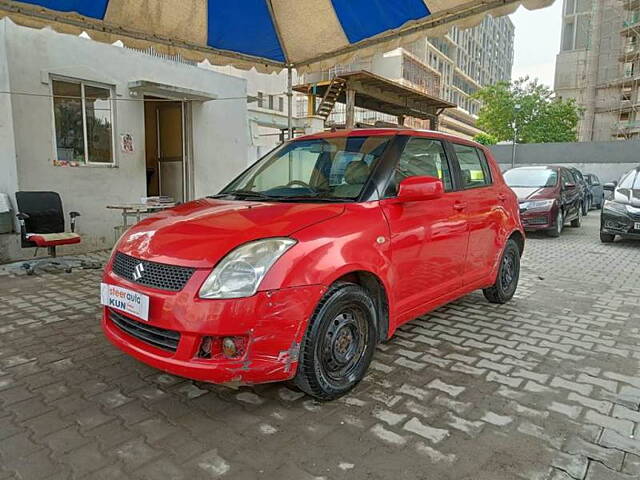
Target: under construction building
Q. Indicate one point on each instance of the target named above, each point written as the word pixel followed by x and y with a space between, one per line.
pixel 452 67
pixel 599 66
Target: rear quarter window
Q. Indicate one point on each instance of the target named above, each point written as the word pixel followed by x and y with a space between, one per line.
pixel 474 167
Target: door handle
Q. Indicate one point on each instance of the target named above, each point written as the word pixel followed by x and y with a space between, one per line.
pixel 459 206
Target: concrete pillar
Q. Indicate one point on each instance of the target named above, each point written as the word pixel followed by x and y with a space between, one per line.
pixel 311 104
pixel 350 120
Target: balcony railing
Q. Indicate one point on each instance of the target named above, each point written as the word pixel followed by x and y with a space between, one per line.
pixel 419 76
pixel 629 125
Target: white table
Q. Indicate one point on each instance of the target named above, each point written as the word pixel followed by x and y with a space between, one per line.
pixel 137 210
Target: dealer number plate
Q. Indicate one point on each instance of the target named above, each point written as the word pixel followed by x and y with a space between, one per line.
pixel 126 300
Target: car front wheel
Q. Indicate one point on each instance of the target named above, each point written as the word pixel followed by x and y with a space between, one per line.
pixel 606 237
pixel 508 275
pixel 557 230
pixel 339 343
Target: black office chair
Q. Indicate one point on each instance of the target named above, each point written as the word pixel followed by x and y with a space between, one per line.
pixel 42 225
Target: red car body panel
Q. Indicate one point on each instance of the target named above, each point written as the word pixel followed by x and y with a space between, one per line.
pixel 424 254
pixel 541 219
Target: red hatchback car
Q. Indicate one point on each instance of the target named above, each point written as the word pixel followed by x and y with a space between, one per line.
pixel 313 255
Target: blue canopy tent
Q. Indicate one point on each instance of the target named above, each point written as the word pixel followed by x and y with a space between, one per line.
pixel 268 35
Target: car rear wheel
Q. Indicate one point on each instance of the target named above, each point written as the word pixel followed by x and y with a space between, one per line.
pixel 508 275
pixel 339 343
pixel 607 237
pixel 557 230
pixel 577 222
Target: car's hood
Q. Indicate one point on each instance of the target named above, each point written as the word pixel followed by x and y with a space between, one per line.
pixel 628 196
pixel 199 233
pixel 534 193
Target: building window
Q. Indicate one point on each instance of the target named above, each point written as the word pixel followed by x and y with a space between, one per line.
pixel 583 31
pixel 271 105
pixel 280 104
pixel 570 7
pixel 567 35
pixel 83 116
pixel 260 99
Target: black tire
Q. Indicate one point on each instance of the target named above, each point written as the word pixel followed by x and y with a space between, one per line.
pixel 508 275
pixel 607 237
pixel 557 230
pixel 585 207
pixel 339 343
pixel 577 222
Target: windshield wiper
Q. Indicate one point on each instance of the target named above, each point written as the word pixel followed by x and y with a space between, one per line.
pixel 312 198
pixel 243 194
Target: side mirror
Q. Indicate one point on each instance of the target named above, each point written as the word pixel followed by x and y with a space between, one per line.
pixel 414 189
pixel 609 187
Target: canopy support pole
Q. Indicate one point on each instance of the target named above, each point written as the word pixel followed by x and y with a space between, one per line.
pixel 290 101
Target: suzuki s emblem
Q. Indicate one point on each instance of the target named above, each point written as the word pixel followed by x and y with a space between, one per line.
pixel 138 271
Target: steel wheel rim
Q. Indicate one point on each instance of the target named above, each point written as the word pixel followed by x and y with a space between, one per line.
pixel 559 222
pixel 509 271
pixel 344 344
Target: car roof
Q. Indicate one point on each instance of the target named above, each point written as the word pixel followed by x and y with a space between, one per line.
pixel 370 132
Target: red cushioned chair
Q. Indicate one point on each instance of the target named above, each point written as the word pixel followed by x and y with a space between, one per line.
pixel 42 225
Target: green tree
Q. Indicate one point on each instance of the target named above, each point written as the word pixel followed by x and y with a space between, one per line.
pixel 538 116
pixel 485 139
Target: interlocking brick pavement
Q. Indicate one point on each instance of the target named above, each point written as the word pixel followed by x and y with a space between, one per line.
pixel 546 387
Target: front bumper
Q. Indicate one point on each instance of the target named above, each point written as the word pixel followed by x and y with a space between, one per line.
pixel 533 220
pixel 619 223
pixel 273 322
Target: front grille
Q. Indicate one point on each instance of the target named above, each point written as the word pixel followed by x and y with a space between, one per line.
pixel 634 216
pixel 152 274
pixel 536 221
pixel 158 337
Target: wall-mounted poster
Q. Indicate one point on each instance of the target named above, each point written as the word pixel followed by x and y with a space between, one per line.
pixel 126 143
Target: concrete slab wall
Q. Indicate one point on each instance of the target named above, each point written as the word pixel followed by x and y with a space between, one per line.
pixel 608 160
pixel 220 127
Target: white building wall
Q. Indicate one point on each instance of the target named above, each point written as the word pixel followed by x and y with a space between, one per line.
pixel 220 130
pixel 8 170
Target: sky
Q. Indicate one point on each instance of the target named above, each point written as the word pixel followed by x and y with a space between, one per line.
pixel 537 42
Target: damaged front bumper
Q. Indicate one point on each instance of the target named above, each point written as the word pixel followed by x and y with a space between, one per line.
pixel 272 322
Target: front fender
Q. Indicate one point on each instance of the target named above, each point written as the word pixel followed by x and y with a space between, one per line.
pixel 356 240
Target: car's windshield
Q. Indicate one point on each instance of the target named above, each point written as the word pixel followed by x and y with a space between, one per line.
pixel 531 177
pixel 326 168
pixel 630 181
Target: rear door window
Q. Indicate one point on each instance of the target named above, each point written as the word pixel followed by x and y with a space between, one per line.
pixel 474 168
pixel 422 157
pixel 567 178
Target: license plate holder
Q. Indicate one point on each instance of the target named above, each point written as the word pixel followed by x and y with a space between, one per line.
pixel 636 226
pixel 125 300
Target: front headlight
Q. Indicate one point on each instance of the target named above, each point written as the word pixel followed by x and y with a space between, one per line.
pixel 537 204
pixel 239 273
pixel 633 210
pixel 615 207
